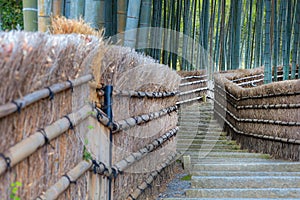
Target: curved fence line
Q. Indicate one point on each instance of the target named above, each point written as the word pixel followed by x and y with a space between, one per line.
pixel 263 121
pixel 267 137
pixel 18 104
pixel 140 94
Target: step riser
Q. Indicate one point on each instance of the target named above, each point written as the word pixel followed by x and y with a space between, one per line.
pixel 255 167
pixel 244 193
pixel 245 182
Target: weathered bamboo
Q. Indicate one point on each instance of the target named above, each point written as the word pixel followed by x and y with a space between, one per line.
pixel 57 9
pixel 194 77
pixel 9 108
pixel 137 192
pixel 250 82
pixel 247 77
pixel 193 91
pixel 267 137
pixel 141 94
pixel 188 100
pixel 64 182
pixel 120 166
pixel 29 145
pixel 264 121
pixel 133 121
pixel 193 83
pixel 44 11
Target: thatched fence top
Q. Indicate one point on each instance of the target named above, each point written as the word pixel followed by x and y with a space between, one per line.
pixel 256 112
pixel 54 129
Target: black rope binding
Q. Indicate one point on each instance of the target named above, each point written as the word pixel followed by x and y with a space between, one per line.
pixel 71 182
pixel 51 94
pixel 95 166
pixel 19 106
pixel 7 161
pixel 47 141
pixel 71 127
pixel 71 85
pixel 140 189
pixel 132 197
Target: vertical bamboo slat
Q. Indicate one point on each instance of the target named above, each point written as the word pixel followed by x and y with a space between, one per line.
pixel 144 23
pixel 121 19
pixel 76 9
pixel 57 8
pixel 94 13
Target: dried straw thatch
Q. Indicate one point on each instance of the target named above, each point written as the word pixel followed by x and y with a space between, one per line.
pixel 271 110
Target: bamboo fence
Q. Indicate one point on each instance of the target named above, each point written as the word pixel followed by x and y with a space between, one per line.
pixel 262 118
pixel 51 104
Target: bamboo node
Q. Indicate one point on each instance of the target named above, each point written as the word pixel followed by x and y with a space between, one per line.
pixel 69 179
pixel 47 141
pixel 71 127
pixel 51 94
pixel 7 161
pixel 19 106
pixel 71 85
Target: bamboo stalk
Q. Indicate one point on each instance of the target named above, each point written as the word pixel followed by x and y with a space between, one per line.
pixel 27 100
pixel 44 11
pixel 63 183
pixel 137 192
pixel 29 145
pixel 30 15
pixel 121 19
pixel 76 9
pixel 57 8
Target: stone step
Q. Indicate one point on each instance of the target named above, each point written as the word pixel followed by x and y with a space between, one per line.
pixel 253 167
pixel 231 155
pixel 244 193
pixel 244 173
pixel 245 182
pixel 205 146
pixel 225 198
pixel 204 141
pixel 199 159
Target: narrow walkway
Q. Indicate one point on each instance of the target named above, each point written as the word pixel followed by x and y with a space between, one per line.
pixel 220 170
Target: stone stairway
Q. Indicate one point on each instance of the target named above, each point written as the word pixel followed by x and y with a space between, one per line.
pixel 221 170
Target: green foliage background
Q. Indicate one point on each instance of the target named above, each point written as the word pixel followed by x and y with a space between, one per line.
pixel 11 14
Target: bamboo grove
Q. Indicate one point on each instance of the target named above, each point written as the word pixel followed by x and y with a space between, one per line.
pixel 217 34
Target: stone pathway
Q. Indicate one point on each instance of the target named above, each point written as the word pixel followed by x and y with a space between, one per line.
pixel 221 170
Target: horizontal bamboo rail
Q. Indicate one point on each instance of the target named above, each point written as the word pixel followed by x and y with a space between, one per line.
pixel 266 137
pixel 193 83
pixel 65 181
pixel 194 77
pixel 119 167
pixel 247 77
pixel 188 100
pixel 29 145
pixel 147 183
pixel 140 119
pixel 18 104
pixel 250 82
pixel 193 91
pixel 141 94
pixel 261 121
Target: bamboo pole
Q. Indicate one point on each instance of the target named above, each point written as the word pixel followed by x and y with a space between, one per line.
pixel 193 83
pixel 189 100
pixel 141 94
pixel 63 183
pixel 137 192
pixel 95 13
pixel 30 15
pixel 57 7
pixel 121 19
pixel 194 77
pixel 29 145
pixel 144 24
pixel 132 22
pixel 27 100
pixel 76 9
pixel 44 11
pixel 193 91
pixel 136 156
pixel 140 119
